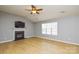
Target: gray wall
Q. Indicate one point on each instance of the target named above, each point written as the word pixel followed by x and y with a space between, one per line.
pixel 68 29
pixel 7 26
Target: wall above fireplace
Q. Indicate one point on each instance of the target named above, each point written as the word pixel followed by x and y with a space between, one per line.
pixel 7 27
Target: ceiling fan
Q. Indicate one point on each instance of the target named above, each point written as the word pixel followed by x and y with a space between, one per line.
pixel 34 10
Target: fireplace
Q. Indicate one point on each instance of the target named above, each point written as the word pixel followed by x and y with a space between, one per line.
pixel 19 35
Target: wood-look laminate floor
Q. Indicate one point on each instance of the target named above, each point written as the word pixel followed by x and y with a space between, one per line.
pixel 37 46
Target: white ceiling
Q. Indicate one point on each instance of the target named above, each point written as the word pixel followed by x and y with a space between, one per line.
pixel 49 11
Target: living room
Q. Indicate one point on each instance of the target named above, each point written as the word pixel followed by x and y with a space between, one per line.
pixel 39 29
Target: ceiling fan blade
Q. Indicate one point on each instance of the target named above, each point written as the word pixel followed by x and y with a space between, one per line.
pixel 39 9
pixel 33 6
pixel 37 12
pixel 31 13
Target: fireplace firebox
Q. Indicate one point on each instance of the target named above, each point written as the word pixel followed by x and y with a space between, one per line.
pixel 19 35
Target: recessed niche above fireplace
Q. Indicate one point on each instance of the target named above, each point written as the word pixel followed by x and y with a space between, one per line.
pixel 19 24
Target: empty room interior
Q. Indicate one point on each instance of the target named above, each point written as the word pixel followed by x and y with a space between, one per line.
pixel 39 29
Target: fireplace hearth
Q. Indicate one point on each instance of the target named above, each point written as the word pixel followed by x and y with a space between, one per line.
pixel 19 35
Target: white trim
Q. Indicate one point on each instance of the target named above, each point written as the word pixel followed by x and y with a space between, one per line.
pixel 46 39
pixel 57 40
pixel 13 40
pixel 6 41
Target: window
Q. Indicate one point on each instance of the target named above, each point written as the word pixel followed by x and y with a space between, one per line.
pixel 49 28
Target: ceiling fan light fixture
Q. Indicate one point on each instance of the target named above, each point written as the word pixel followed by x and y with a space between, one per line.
pixel 34 11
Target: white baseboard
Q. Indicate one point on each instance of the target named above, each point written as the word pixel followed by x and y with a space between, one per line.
pixel 12 40
pixel 46 39
pixel 58 40
pixel 6 41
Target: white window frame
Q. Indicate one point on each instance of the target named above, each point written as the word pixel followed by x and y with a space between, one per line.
pixel 50 28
